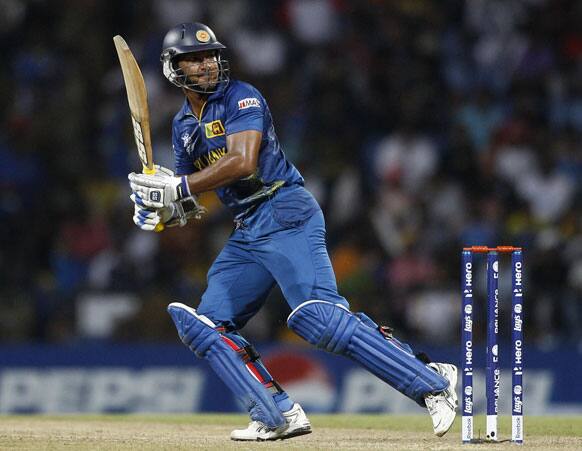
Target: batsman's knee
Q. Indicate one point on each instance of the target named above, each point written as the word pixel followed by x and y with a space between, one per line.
pixel 196 331
pixel 323 324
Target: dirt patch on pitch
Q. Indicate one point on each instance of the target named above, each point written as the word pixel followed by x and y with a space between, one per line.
pixel 38 433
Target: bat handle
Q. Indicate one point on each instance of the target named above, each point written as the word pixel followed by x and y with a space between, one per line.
pixel 160 227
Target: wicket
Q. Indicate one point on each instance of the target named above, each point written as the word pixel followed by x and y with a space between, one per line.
pixel 492 369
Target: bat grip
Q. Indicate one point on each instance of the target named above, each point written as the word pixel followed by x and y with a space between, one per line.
pixel 149 171
pixel 160 227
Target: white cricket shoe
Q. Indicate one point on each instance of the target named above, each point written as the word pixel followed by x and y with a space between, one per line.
pixel 442 406
pixel 257 431
pixel 297 424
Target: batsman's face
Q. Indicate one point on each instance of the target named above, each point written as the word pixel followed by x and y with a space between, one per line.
pixel 201 68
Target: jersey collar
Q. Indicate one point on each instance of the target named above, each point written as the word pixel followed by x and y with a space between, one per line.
pixel 186 110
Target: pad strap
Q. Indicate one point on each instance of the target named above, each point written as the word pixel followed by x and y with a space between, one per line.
pixel 251 358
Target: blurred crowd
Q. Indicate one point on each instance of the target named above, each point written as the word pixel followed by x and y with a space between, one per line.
pixel 420 126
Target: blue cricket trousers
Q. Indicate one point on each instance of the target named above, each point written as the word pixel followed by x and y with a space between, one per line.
pixel 282 242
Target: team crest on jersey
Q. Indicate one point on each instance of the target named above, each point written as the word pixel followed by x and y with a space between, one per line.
pixel 214 129
pixel 202 36
pixel 248 103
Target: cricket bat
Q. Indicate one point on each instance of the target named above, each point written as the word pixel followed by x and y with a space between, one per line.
pixel 137 96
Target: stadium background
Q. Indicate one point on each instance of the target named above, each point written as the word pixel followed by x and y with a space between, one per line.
pixel 420 126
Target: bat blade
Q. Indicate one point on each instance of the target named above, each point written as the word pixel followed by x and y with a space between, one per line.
pixel 137 98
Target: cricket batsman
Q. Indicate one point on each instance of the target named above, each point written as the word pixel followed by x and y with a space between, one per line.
pixel 224 140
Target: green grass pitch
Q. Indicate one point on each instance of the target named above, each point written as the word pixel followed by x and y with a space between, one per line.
pixel 338 432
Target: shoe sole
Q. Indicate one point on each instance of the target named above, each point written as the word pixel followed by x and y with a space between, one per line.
pixel 296 433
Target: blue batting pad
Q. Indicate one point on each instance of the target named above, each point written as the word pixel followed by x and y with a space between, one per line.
pixel 370 322
pixel 251 357
pixel 198 334
pixel 334 328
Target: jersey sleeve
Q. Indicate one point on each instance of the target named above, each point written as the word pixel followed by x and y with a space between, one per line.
pixel 182 161
pixel 245 109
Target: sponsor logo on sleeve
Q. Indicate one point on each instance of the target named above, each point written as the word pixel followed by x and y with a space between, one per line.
pixel 249 102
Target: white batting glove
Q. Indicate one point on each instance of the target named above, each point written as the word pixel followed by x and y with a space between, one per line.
pixel 145 218
pixel 159 190
pixel 148 216
pixel 177 214
pixel 163 170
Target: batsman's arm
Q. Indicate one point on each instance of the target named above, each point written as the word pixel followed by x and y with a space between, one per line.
pixel 239 162
pixel 161 190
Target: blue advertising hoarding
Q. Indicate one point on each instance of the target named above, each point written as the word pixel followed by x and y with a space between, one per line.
pixel 168 378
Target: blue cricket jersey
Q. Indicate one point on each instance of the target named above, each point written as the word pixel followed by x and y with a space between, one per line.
pixel 200 142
